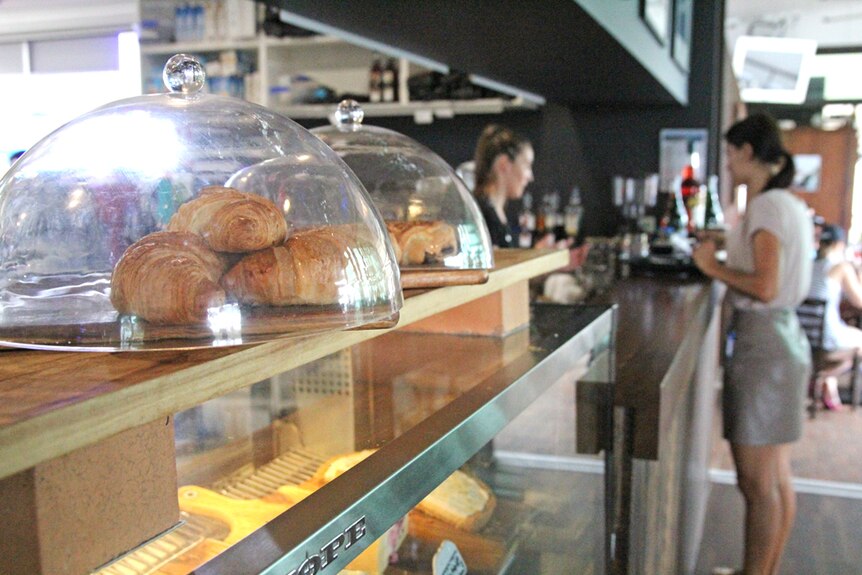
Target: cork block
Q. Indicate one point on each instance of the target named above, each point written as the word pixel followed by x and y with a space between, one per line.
pixel 496 314
pixel 72 514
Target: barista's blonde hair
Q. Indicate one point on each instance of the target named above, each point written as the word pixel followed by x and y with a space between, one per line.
pixel 494 141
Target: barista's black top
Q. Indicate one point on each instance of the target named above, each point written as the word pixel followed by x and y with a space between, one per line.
pixel 501 234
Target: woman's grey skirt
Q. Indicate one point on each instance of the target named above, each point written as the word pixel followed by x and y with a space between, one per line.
pixel 765 377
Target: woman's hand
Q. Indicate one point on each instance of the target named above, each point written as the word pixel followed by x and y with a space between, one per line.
pixel 577 257
pixel 704 256
pixel 762 283
pixel 546 242
pixel 716 236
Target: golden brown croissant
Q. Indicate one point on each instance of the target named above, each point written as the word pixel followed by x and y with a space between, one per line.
pixel 309 268
pixel 168 278
pixel 231 221
pixel 422 242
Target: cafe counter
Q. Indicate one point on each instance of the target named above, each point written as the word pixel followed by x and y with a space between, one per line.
pixel 667 347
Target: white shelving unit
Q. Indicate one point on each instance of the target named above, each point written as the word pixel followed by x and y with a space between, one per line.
pixel 330 61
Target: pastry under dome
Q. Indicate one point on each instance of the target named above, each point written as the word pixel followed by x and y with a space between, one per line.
pixel 119 179
pixel 434 221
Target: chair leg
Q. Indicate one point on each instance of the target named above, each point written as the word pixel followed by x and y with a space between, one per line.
pixel 815 396
pixel 854 383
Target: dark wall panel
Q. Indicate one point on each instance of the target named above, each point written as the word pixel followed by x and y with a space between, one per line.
pixel 552 48
pixel 587 144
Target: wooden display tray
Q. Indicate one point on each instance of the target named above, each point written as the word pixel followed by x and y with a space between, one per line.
pixel 259 325
pixel 413 278
pixel 53 403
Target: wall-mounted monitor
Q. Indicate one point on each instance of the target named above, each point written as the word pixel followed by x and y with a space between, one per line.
pixel 774 70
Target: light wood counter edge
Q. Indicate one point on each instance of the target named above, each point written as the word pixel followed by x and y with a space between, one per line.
pixel 29 442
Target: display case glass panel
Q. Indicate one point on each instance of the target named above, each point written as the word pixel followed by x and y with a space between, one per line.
pixel 418 438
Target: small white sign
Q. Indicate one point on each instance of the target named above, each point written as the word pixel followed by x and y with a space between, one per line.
pixel 448 560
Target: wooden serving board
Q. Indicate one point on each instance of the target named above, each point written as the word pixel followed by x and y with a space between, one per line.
pixel 413 278
pixel 259 324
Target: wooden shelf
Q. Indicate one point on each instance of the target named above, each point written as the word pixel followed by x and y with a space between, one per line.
pixel 155 49
pixel 324 54
pixel 433 109
pixel 56 402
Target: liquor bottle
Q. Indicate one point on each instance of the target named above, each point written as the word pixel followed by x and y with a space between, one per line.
pixel 540 230
pixel 559 227
pixel 375 81
pixel 526 223
pixel 714 217
pixel 390 81
pixel 550 214
pixel 680 220
pixel 690 189
pixel 674 217
pixel 573 212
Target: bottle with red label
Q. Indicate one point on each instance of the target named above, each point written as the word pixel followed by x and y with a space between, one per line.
pixel 690 189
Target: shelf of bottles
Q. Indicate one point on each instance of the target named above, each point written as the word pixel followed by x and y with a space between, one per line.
pixel 691 205
pixel 660 227
pixel 550 219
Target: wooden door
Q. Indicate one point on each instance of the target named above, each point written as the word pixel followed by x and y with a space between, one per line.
pixel 833 196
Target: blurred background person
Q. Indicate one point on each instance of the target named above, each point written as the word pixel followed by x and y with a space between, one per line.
pixel 833 280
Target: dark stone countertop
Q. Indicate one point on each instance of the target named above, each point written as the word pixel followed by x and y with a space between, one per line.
pixel 662 323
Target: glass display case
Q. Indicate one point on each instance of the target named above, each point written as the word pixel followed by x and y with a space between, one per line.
pixel 369 458
pixel 436 227
pixel 185 220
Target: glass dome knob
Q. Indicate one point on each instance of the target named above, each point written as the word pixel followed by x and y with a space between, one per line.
pixel 184 74
pixel 348 115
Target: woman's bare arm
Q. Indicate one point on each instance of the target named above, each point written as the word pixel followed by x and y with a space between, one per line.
pixel 762 283
pixel 851 287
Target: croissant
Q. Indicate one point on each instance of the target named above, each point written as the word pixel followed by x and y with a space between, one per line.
pixel 309 268
pixel 168 278
pixel 422 242
pixel 231 221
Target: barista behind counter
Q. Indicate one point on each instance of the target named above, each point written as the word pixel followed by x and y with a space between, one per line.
pixel 502 168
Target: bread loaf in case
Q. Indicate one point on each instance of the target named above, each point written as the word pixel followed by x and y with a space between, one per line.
pixel 461 500
pixel 244 516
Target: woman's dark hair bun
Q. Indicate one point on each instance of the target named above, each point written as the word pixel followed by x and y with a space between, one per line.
pixel 762 133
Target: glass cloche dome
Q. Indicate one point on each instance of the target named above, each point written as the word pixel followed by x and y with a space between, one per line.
pixel 184 220
pixel 433 220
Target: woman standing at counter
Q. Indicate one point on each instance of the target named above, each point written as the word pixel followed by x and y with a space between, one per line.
pixel 768 272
